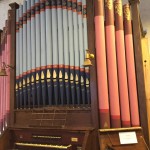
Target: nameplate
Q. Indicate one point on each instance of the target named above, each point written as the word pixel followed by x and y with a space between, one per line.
pixel 127 137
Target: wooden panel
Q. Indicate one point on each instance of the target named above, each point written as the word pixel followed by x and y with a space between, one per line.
pixel 49 117
pixel 12 17
pixel 139 66
pixel 146 69
pixel 93 77
pixel 110 139
pixel 78 139
pixel 5 140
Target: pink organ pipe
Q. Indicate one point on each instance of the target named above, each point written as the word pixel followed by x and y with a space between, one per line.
pixel 121 63
pixel 101 66
pixel 133 99
pixel 112 65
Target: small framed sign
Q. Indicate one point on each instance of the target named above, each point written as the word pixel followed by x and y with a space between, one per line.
pixel 128 138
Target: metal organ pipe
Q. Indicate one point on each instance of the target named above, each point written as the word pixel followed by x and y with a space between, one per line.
pixel 132 87
pixel 121 64
pixel 101 66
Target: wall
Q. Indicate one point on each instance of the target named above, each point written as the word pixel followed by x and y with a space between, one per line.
pixel 4 6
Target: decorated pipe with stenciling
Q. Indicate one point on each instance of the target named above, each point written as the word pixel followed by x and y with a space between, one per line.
pixel 38 52
pixel 55 52
pixel 29 66
pixel 76 52
pixel 33 56
pixel 21 55
pixel 132 87
pixel 66 51
pixel 61 53
pixel 49 50
pixel 25 53
pixel 71 52
pixel 81 50
pixel 85 47
pixel 17 61
pixel 43 52
pixel 121 64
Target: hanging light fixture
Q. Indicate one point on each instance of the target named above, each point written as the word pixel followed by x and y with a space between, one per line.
pixel 87 61
pixel 3 69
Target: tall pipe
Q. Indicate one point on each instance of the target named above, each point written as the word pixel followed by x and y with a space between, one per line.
pixel 121 63
pixel 133 98
pixel 101 66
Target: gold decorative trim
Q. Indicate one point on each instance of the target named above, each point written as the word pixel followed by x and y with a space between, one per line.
pixel 16 86
pixel 120 129
pixel 24 82
pixel 20 84
pixel 48 74
pixel 37 76
pixel 43 145
pixel 32 79
pixel 87 81
pixel 54 74
pixel 28 80
pixel 109 4
pixel 71 77
pixel 118 8
pixel 42 75
pixel 66 76
pixel 76 79
pixel 82 80
pixel 60 74
pixel 127 13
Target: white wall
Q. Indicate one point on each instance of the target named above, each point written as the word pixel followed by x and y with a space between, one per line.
pixel 145 17
pixel 4 6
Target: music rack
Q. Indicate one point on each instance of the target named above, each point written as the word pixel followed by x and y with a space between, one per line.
pixel 48 117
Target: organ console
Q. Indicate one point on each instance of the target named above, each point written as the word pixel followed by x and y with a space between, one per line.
pixel 53 99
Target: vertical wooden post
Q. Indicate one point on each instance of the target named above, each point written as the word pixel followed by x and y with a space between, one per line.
pixel 1 31
pixel 93 78
pixel 8 36
pixel 139 67
pixel 12 16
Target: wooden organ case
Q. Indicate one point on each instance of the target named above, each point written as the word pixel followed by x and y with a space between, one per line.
pixel 56 100
pixel 117 18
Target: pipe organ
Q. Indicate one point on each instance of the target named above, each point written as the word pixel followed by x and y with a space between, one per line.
pixel 56 95
pixel 50 76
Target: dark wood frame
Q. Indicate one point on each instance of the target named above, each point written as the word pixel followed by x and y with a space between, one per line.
pixel 93 112
pixel 83 118
pixel 137 36
pixel 12 17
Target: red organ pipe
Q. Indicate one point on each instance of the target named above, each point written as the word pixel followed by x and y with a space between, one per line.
pixel 121 63
pixel 112 65
pixel 131 67
pixel 101 66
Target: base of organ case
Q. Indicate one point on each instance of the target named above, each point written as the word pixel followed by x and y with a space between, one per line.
pixel 42 139
pixel 109 139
